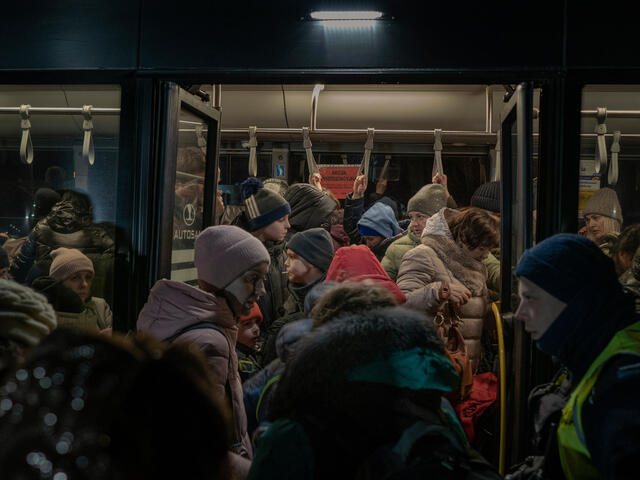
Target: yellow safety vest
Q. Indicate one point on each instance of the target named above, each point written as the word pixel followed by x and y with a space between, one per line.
pixel 574 456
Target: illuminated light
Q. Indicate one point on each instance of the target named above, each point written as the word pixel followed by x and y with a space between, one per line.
pixel 348 24
pixel 346 15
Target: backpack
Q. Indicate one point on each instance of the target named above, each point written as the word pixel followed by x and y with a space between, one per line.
pixel 426 451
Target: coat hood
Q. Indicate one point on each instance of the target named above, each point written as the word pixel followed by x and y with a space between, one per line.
pixel 72 213
pixel 381 219
pixel 310 207
pixel 438 225
pixel 356 263
pixel 173 306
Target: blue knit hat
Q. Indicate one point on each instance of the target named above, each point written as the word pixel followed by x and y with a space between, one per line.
pixel 379 220
pixel 565 264
pixel 262 205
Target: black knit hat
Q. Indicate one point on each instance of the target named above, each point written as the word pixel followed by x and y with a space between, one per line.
pixel 262 205
pixel 487 196
pixel 315 246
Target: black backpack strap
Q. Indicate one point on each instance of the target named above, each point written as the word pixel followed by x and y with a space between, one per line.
pixel 188 328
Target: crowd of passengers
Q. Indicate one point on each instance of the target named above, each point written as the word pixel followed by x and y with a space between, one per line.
pixel 321 341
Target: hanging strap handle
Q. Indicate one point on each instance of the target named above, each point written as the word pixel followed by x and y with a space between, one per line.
pixel 202 142
pixel 26 147
pixel 437 149
pixel 498 160
pixel 311 162
pixel 366 158
pixel 253 145
pixel 88 149
pixel 612 176
pixel 601 144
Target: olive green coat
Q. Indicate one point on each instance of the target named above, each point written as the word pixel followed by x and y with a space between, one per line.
pixel 96 316
pixel 395 252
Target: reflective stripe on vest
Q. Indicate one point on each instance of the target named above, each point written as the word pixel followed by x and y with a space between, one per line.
pixel 574 455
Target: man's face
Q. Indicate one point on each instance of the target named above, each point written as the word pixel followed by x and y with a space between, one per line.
pixel 538 309
pixel 418 222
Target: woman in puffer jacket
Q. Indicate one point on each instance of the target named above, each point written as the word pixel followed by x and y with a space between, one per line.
pixel 447 266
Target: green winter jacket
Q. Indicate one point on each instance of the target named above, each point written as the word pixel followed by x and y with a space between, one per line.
pixel 96 316
pixel 395 252
pixel 492 262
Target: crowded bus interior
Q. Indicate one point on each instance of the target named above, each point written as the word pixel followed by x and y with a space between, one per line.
pixel 271 271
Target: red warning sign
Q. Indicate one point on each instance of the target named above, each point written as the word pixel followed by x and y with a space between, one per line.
pixel 338 178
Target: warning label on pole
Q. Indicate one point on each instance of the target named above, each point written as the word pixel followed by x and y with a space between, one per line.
pixel 338 178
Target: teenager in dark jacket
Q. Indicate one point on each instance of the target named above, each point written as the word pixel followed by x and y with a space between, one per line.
pixel 267 219
pixel 309 255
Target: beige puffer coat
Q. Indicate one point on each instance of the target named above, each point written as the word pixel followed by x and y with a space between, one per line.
pixel 440 259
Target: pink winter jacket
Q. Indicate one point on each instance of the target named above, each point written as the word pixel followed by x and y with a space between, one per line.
pixel 173 306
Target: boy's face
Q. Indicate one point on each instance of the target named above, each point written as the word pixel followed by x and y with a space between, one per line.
pixel 297 267
pixel 248 332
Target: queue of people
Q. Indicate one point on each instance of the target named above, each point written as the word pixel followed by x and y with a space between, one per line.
pixel 304 354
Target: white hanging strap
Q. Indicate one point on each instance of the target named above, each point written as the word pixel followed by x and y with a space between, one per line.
pixel 311 162
pixel 612 176
pixel 498 159
pixel 366 158
pixel 253 145
pixel 437 149
pixel 26 147
pixel 202 142
pixel 601 144
pixel 88 150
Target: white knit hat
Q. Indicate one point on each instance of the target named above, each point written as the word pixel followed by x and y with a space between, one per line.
pixel 25 316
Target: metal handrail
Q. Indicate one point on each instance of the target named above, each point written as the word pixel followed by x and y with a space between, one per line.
pixel 61 110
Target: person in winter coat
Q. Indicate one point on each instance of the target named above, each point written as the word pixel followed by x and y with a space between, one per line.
pixel 349 391
pixel 72 272
pixel 310 208
pixel 89 407
pixel 575 310
pixel 247 344
pixel 428 201
pixel 602 215
pixel 25 319
pixel 379 228
pixel 69 224
pixel 309 255
pixel 232 266
pixel 267 219
pixel 357 263
pixel 258 390
pixel 487 196
pixel 447 267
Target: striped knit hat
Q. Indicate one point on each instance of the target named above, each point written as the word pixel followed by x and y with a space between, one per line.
pixel 262 206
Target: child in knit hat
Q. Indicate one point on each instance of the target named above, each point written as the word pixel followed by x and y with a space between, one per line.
pixel 267 219
pixel 71 270
pixel 247 344
pixel 602 215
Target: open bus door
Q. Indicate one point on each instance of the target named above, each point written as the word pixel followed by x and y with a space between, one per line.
pixel 187 145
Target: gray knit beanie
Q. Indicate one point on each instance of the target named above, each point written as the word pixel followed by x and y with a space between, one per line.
pixel 25 316
pixel 428 200
pixel 604 202
pixel 315 246
pixel 487 197
pixel 224 252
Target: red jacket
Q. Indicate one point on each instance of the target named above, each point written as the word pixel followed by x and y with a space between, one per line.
pixel 356 263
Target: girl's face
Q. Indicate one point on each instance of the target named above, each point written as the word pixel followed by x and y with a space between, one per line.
pixel 248 332
pixel 595 225
pixel 276 231
pixel 245 290
pixel 80 282
pixel 418 222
